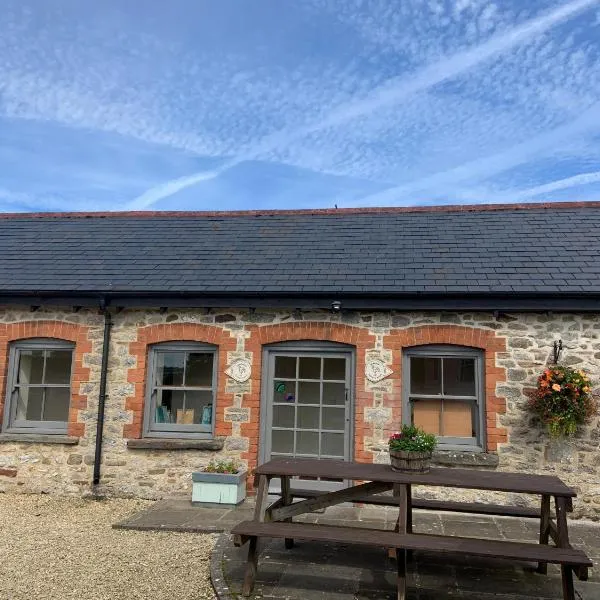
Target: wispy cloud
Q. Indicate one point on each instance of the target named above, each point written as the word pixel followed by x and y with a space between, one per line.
pixel 391 93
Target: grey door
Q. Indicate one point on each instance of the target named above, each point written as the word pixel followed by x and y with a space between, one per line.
pixel 308 404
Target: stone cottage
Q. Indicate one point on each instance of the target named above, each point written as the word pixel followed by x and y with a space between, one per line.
pixel 136 347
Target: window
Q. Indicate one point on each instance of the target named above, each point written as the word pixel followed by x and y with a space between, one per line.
pixel 443 394
pixel 181 390
pixel 39 387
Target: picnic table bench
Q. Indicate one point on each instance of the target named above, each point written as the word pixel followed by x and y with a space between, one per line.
pixel 371 485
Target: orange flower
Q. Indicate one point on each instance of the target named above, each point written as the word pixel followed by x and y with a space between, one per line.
pixel 556 387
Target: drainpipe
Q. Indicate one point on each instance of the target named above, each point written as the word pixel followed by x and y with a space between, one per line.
pixel 102 395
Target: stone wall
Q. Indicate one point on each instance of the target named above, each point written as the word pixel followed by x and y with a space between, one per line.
pixel 517 347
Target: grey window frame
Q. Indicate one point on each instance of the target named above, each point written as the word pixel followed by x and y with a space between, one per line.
pixel 10 424
pixel 476 444
pixel 172 430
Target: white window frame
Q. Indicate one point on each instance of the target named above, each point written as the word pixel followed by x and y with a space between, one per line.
pixel 174 430
pixel 476 444
pixel 10 423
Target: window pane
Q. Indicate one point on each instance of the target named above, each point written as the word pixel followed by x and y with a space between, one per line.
pixel 285 367
pixel 426 415
pixel 334 418
pixel 169 368
pixel 459 376
pixel 309 392
pixel 31 366
pixel 332 444
pixel 198 408
pixel 308 417
pixel 58 367
pixel 283 416
pixel 168 402
pixel 199 369
pixel 334 393
pixel 457 419
pixel 56 406
pixel 425 375
pixel 282 441
pixel 307 442
pixel 334 368
pixel 29 404
pixel 285 391
pixel 310 367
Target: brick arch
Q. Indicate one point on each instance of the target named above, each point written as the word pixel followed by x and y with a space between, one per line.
pixel 59 330
pixel 176 332
pixel 358 337
pixel 484 339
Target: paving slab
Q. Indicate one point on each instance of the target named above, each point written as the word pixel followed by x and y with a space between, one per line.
pixel 319 571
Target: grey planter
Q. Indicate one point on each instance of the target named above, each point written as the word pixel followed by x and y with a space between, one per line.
pixel 218 488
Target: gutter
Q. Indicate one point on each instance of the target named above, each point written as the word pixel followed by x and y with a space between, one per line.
pixel 102 393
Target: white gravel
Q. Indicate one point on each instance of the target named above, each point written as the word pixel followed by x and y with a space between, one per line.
pixel 54 547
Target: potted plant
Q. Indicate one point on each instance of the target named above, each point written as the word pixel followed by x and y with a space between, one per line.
pixel 219 482
pixel 411 449
pixel 563 400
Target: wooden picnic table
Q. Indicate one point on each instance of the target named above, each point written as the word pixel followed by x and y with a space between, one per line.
pixel 371 484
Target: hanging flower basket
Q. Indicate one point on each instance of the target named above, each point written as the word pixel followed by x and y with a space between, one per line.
pixel 563 400
pixel 411 450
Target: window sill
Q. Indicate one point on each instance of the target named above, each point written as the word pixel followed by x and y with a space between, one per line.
pixel 179 444
pixel 38 438
pixel 461 458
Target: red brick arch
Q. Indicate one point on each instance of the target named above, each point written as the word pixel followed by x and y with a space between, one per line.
pixel 59 330
pixel 484 339
pixel 176 332
pixel 260 335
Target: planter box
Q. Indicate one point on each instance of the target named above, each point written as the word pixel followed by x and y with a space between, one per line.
pixel 218 488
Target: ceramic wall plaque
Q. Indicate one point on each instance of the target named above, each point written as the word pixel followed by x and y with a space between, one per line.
pixel 240 370
pixel 376 370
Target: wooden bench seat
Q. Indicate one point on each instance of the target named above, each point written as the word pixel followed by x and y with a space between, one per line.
pixel 568 558
pixel 437 505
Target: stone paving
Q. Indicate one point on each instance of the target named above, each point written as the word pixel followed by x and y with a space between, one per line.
pixel 317 571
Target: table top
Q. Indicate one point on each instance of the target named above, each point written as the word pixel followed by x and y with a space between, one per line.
pixel 499 481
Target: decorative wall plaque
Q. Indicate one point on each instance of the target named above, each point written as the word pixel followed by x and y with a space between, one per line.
pixel 240 370
pixel 376 370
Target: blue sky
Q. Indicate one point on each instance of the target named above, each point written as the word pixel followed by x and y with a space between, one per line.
pixel 204 105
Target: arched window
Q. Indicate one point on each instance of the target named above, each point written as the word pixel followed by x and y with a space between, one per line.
pixel 443 393
pixel 38 393
pixel 180 390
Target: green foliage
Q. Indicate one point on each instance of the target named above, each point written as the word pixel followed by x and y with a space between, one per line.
pixel 222 466
pixel 411 438
pixel 563 400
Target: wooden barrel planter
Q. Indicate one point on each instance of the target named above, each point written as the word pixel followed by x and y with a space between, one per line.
pixel 406 461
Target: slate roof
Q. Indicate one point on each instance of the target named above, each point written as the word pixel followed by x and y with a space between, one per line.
pixel 546 249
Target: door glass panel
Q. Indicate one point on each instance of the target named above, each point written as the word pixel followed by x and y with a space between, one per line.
pixel 31 366
pixel 56 406
pixel 426 415
pixel 169 368
pixel 334 418
pixel 310 367
pixel 458 419
pixel 309 392
pixel 58 367
pixel 199 369
pixel 307 442
pixel 282 441
pixel 332 444
pixel 425 375
pixel 459 377
pixel 334 393
pixel 198 408
pixel 308 417
pixel 285 367
pixel 29 404
pixel 283 416
pixel 334 368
